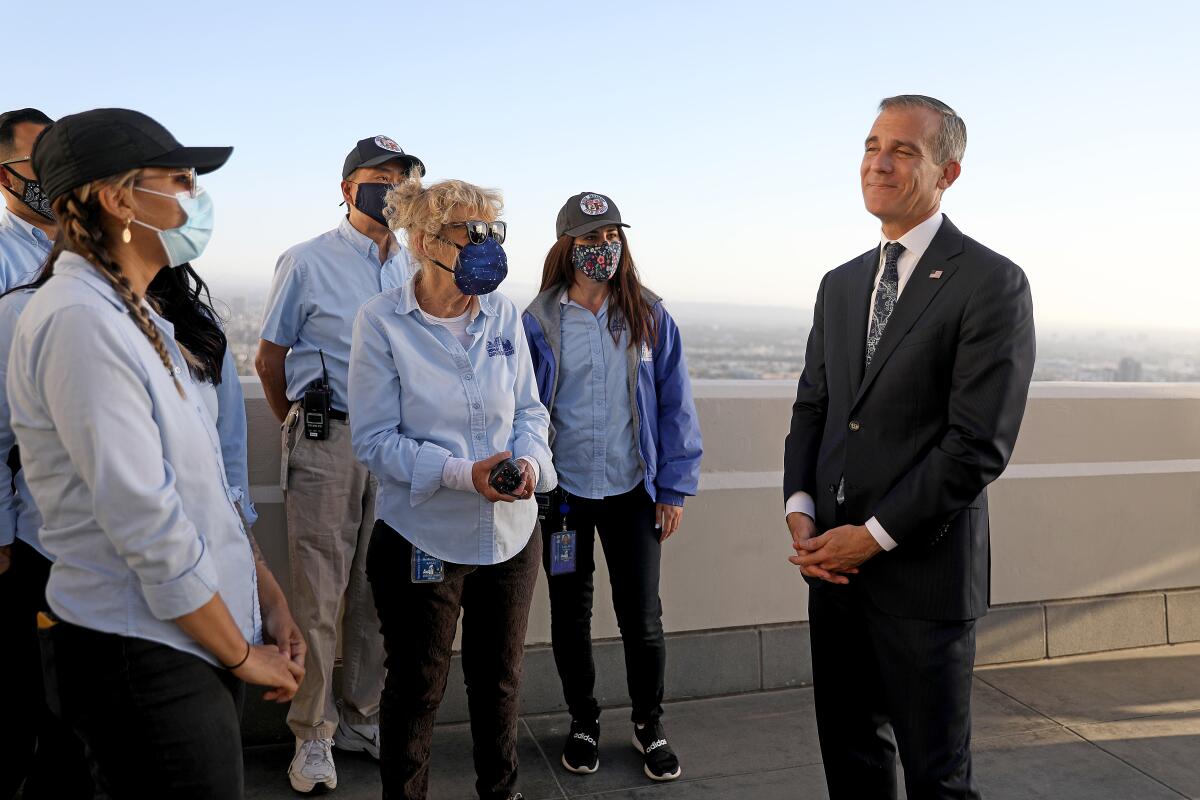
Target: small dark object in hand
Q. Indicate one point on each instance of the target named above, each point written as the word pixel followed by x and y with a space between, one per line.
pixel 506 477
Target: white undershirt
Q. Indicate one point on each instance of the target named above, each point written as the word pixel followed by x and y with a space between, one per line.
pixel 916 241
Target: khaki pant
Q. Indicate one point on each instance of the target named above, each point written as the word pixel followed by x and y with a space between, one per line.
pixel 330 503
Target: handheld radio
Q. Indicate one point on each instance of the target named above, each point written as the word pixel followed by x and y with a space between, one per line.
pixel 316 403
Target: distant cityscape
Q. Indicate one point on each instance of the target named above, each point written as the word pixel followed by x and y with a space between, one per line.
pixel 724 341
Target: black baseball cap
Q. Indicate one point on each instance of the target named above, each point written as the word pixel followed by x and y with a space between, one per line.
pixel 376 150
pixel 84 147
pixel 585 212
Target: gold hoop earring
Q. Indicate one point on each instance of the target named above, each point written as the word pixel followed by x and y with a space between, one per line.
pixel 126 236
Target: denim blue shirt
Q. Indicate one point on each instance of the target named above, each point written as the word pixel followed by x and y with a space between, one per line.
pixel 319 287
pixel 595 449
pixel 417 397
pixel 23 250
pixel 138 514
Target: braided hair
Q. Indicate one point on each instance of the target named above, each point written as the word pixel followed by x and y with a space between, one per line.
pixel 80 232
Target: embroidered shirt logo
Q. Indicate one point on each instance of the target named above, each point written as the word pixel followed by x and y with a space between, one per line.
pixel 387 144
pixel 500 346
pixel 646 354
pixel 593 204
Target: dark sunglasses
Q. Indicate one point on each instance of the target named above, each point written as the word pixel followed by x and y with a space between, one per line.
pixel 478 230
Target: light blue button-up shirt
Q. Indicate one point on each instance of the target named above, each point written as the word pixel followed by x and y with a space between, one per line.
pixel 19 517
pixel 417 397
pixel 319 287
pixel 23 250
pixel 595 446
pixel 129 476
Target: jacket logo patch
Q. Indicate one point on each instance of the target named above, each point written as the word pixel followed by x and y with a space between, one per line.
pixel 500 346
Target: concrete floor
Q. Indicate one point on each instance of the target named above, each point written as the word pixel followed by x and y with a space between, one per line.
pixel 1122 725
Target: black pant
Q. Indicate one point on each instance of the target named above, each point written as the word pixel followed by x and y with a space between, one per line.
pixel 38 748
pixel 633 553
pixel 418 621
pixel 159 723
pixel 884 684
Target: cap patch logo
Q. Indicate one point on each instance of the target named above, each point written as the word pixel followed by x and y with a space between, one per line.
pixel 387 144
pixel 593 205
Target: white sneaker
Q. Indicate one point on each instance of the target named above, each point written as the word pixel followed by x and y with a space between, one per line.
pixel 353 738
pixel 312 764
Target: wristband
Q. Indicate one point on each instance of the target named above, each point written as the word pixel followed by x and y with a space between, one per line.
pixel 243 661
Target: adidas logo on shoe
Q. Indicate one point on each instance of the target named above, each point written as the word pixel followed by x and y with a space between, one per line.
pixel 588 739
pixel 655 745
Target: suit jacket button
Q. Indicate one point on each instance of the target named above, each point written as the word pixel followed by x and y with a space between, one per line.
pixel 854 426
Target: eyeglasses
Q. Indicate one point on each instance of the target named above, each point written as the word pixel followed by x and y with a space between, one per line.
pixel 478 230
pixel 185 177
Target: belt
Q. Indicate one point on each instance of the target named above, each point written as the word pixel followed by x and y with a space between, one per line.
pixel 341 416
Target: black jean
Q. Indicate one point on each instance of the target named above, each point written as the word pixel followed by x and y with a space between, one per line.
pixel 633 553
pixel 159 723
pixel 418 621
pixel 38 747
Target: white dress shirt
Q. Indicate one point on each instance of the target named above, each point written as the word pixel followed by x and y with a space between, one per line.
pixel 916 241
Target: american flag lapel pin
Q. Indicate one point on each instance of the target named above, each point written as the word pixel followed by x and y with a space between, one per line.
pixel 937 273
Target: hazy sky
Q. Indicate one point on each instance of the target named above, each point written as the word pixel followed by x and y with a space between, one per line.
pixel 729 134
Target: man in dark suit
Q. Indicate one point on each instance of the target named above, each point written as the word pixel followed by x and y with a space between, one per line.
pixel 914 385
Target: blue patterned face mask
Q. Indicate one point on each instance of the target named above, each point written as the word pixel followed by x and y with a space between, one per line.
pixel 480 267
pixel 597 261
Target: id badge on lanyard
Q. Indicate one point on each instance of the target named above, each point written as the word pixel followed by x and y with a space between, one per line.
pixel 562 547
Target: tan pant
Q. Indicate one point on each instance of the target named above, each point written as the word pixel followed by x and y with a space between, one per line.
pixel 330 503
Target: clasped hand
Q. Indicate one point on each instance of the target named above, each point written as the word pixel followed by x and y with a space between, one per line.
pixel 833 555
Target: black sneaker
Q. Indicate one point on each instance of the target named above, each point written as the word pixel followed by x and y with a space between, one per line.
pixel 581 753
pixel 660 761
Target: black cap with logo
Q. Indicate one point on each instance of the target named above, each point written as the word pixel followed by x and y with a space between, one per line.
pixel 85 147
pixel 585 212
pixel 376 150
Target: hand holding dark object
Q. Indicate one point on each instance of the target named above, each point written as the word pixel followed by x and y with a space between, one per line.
pixel 481 472
pixel 506 477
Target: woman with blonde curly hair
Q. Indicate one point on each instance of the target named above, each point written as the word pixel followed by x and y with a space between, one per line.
pixel 154 585
pixel 442 400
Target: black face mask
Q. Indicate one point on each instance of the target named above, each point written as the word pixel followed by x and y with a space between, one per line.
pixel 32 195
pixel 370 200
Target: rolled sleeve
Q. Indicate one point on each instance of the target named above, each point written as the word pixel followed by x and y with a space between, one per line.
pixel 116 448
pixel 184 593
pixel 427 472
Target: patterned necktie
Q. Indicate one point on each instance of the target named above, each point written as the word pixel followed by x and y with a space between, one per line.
pixel 885 297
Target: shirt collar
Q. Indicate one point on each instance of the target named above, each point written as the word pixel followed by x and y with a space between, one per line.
pixel 408 301
pixel 25 229
pixel 78 267
pixel 916 241
pixel 567 301
pixel 362 243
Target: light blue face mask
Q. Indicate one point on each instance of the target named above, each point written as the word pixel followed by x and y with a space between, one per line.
pixel 187 242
